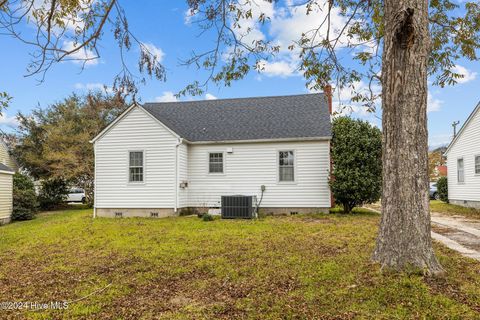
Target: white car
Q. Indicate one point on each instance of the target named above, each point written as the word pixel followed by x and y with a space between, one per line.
pixel 76 195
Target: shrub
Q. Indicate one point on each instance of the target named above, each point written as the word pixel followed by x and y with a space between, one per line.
pixel 53 193
pixel 442 189
pixel 207 217
pixel 357 163
pixel 25 202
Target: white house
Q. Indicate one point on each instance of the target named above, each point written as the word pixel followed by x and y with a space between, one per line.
pixel 7 167
pixel 158 158
pixel 463 162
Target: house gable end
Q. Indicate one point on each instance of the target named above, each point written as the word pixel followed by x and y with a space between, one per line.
pixel 5 156
pixel 123 116
pixel 457 138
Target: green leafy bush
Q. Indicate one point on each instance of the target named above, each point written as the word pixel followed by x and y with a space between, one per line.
pixel 25 202
pixel 357 163
pixel 53 193
pixel 207 217
pixel 442 189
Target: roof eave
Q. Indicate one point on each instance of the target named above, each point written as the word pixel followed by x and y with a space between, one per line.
pixel 5 169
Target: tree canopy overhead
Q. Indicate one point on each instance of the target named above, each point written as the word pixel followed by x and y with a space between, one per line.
pixel 72 30
pixel 341 40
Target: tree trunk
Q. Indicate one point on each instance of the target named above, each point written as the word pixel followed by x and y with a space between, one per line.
pixel 404 239
pixel 347 208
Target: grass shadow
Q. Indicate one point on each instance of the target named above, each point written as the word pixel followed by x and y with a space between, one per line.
pixel 355 212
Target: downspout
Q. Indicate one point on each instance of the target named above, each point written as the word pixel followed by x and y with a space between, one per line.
pixel 179 142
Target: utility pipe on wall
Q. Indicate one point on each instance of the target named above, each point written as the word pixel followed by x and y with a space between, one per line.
pixel 179 142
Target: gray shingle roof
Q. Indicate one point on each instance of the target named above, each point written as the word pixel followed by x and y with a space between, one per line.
pixel 5 168
pixel 298 116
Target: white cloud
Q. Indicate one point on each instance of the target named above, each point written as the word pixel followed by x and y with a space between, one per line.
pixel 249 29
pixel 189 16
pixel 81 56
pixel 71 21
pixel 210 96
pixel 438 140
pixel 467 74
pixel 284 26
pixel 291 22
pixel 342 99
pixel 155 51
pixel 75 20
pixel 7 121
pixel 167 96
pixel 433 104
pixel 95 86
pixel 279 68
pixel 343 105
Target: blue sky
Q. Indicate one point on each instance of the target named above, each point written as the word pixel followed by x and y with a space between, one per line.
pixel 163 24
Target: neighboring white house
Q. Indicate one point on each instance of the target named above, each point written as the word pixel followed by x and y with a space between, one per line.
pixel 7 167
pixel 463 162
pixel 160 157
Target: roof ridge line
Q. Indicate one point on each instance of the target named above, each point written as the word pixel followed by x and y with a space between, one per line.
pixel 244 98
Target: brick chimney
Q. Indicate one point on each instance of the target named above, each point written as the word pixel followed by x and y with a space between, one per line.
pixel 327 90
pixel 328 93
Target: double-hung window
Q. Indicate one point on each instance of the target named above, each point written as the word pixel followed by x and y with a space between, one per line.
pixel 477 164
pixel 286 163
pixel 215 162
pixel 135 169
pixel 460 171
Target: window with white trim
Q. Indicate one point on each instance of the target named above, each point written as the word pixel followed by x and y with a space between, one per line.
pixel 477 164
pixel 460 170
pixel 215 162
pixel 286 166
pixel 135 169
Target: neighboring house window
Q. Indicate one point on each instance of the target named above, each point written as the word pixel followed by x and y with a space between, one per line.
pixel 286 166
pixel 215 162
pixel 477 164
pixel 136 166
pixel 460 171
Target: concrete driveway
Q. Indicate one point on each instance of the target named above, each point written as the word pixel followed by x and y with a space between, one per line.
pixel 457 233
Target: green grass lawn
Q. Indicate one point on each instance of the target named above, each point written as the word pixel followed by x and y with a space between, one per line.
pixel 451 209
pixel 305 266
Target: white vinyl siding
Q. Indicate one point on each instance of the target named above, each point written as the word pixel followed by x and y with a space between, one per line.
pixel 243 170
pixel 6 184
pixel 136 131
pixel 467 147
pixel 252 165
